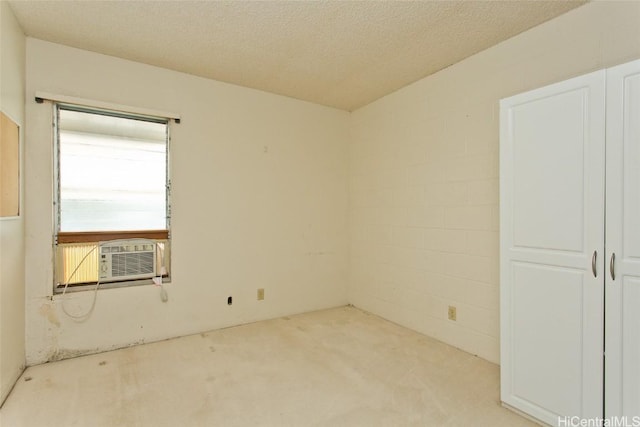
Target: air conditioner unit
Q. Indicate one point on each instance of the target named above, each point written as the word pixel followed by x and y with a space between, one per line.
pixel 127 260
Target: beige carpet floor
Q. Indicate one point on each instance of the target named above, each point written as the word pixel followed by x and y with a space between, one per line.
pixel 338 367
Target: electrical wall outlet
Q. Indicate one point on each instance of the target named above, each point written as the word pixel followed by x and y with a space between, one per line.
pixel 452 315
pixel 260 294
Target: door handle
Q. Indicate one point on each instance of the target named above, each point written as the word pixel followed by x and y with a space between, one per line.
pixel 594 258
pixel 612 266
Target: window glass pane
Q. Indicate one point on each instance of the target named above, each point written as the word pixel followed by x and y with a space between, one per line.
pixel 112 173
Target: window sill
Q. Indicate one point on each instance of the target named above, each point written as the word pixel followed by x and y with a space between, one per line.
pixel 107 285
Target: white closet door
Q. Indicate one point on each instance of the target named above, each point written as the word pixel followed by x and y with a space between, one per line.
pixel 622 338
pixel 552 216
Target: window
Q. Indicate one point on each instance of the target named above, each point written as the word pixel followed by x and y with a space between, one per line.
pixel 112 183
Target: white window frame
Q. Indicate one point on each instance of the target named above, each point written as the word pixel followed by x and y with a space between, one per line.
pixel 57 106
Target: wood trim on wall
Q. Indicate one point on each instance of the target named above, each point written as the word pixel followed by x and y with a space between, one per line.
pixel 9 167
pixel 97 236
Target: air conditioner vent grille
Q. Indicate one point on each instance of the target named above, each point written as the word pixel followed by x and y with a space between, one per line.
pixel 127 260
pixel 133 263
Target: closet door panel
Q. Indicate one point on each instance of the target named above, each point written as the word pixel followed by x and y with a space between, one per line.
pixel 558 331
pixel 622 335
pixel 548 172
pixel 631 347
pixel 552 216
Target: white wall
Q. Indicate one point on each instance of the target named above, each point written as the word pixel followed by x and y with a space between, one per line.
pixel 242 218
pixel 12 316
pixel 424 175
pixel 421 175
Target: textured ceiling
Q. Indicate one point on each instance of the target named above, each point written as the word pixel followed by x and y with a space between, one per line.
pixel 343 54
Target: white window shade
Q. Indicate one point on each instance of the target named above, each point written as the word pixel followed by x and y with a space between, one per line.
pixel 113 172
